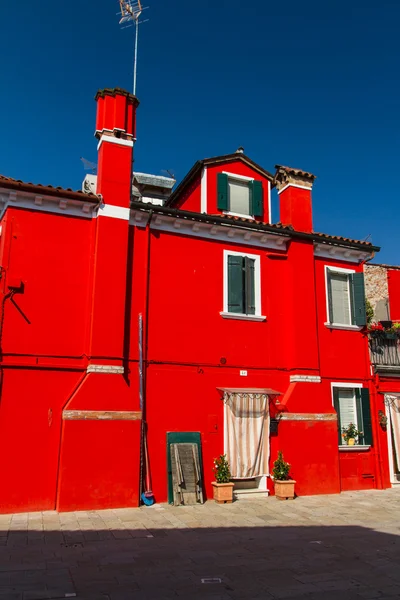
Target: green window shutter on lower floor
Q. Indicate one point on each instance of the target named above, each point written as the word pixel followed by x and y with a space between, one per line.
pixel 366 416
pixel 236 284
pixel 358 299
pixel 249 266
pixel 329 292
pixel 336 407
pixel 223 195
pixel 256 199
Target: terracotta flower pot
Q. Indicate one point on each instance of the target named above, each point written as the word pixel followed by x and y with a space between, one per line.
pixel 351 441
pixel 223 492
pixel 284 490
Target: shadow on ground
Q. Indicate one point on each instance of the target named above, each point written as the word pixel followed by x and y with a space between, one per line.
pixel 238 562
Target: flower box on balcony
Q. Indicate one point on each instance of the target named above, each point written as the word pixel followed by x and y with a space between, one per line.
pixel 390 336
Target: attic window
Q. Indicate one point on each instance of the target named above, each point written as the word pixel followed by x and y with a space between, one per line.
pixel 239 193
pixel 241 196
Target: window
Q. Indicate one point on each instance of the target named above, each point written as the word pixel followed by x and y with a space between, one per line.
pixel 352 406
pixel 345 297
pixel 240 195
pixel 242 296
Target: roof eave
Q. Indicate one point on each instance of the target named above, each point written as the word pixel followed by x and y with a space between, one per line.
pixel 49 191
pixel 278 230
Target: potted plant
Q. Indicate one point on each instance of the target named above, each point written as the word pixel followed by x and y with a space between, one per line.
pixel 284 485
pixel 222 486
pixel 350 434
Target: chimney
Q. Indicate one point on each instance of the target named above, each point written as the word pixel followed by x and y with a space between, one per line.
pixel 294 190
pixel 116 132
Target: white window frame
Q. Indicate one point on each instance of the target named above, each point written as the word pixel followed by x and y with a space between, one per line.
pixel 351 386
pixel 345 326
pixel 240 178
pixel 257 288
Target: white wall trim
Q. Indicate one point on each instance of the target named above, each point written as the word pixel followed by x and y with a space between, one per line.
pixel 114 140
pixel 257 282
pixel 343 327
pixel 241 317
pixel 295 185
pixel 233 214
pixel 234 234
pixel 305 378
pixel 47 204
pixel 115 212
pixel 345 384
pixel 269 202
pixel 355 448
pixel 337 325
pixel 341 253
pixel 203 191
pixel 235 176
pixel 105 369
pixel 308 417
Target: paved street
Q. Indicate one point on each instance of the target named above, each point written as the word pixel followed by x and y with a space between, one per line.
pixel 328 547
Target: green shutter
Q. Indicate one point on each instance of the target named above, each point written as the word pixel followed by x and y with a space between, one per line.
pixel 235 284
pixel 223 195
pixel 337 408
pixel 329 292
pixel 249 264
pixel 256 199
pixel 181 437
pixel 358 299
pixel 360 420
pixel 366 415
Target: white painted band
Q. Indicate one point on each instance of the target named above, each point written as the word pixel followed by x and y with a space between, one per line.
pixel 301 187
pixel 115 212
pixel 305 378
pixel 308 417
pixel 235 176
pixel 105 369
pixel 113 140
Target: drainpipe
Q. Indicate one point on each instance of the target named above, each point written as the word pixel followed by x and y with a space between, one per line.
pixel 143 345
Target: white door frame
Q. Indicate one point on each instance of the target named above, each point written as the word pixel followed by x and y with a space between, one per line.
pixel 389 430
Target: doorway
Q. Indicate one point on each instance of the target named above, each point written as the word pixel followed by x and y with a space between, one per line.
pixel 246 440
pixel 392 402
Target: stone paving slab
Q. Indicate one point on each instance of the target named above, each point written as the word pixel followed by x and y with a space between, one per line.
pixel 341 547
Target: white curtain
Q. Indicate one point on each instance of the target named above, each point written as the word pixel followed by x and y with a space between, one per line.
pixel 340 298
pixel 394 407
pixel 239 197
pixel 347 408
pixel 247 434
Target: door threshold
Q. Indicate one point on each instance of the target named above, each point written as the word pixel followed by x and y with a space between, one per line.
pixel 249 492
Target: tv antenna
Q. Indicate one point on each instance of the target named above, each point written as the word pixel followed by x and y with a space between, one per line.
pixel 168 172
pixel 88 165
pixel 130 15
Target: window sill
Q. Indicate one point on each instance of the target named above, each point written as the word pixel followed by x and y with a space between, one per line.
pixel 233 214
pixel 354 448
pixel 240 317
pixel 344 327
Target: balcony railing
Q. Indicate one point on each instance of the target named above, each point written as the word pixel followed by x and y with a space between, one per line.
pixel 384 350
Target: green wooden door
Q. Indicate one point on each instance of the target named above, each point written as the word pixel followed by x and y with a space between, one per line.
pixel 181 437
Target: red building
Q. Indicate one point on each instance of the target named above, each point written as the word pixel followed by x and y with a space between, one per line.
pixel 194 319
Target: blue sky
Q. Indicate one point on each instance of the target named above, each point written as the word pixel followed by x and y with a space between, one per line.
pixel 309 84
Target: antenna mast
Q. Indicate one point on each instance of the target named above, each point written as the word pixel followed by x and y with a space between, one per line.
pixel 130 14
